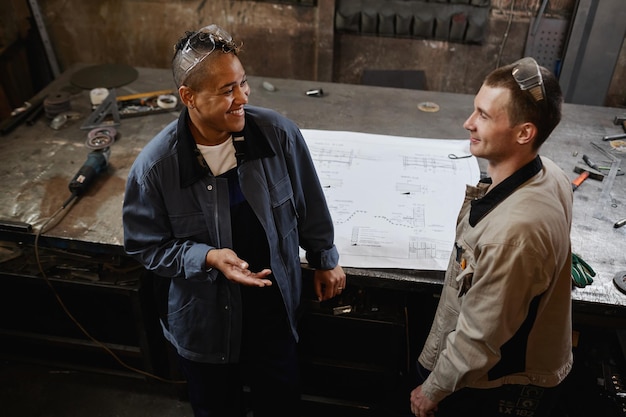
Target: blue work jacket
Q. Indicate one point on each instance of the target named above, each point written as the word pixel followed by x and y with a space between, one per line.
pixel 175 210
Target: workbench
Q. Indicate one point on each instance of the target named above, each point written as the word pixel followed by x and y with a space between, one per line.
pixel 37 163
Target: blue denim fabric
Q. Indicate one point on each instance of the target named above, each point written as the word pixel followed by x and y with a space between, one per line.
pixel 175 211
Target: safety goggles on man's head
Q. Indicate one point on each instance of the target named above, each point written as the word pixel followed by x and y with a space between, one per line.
pixel 202 43
pixel 527 74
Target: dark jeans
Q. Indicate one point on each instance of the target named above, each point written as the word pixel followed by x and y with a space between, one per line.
pixel 214 390
pixel 504 401
pixel 268 366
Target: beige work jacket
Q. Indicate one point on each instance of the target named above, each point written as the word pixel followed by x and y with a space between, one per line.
pixel 504 316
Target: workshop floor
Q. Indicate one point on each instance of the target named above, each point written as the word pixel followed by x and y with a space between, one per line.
pixel 40 391
pixel 30 390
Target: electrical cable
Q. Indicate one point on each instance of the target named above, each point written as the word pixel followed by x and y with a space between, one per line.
pixel 506 35
pixel 68 204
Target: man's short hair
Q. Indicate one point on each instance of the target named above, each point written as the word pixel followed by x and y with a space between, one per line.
pixel 524 106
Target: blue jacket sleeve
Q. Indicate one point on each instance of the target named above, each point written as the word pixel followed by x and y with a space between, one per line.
pixel 315 222
pixel 148 234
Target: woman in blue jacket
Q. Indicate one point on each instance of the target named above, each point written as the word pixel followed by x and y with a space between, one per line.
pixel 217 206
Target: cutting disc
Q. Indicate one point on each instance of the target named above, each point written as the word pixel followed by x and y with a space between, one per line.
pixel 102 130
pixel 100 141
pixel 101 137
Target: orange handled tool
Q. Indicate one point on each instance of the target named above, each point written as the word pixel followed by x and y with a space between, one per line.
pixel 579 180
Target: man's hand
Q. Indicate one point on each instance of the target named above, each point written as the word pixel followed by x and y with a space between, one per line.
pixel 236 269
pixel 329 283
pixel 422 406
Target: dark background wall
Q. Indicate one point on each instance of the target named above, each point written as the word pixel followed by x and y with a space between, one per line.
pixel 289 39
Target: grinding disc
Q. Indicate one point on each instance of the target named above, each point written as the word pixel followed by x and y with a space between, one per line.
pixel 104 76
pixel 102 130
pixel 100 137
pixel 99 142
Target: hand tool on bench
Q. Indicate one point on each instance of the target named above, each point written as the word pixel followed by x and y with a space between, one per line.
pixel 580 179
pixel 621 121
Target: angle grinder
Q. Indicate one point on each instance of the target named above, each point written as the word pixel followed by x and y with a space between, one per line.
pixel 97 161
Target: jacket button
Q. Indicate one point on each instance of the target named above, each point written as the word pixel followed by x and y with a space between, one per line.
pixel 209 187
pixel 225 307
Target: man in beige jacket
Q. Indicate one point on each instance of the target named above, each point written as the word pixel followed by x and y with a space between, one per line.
pixel 500 343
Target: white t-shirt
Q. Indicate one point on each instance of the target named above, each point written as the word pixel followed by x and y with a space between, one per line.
pixel 221 158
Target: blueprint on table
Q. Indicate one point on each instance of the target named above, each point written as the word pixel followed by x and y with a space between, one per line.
pixel 394 200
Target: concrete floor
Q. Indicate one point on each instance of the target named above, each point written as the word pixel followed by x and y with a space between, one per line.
pixel 29 390
pixel 33 390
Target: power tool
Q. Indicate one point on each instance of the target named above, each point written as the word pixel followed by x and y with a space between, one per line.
pixel 97 161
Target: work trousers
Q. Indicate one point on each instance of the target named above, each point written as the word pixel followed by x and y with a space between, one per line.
pixel 268 366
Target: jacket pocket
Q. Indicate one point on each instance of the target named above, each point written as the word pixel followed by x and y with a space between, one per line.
pixel 186 225
pixel 464 281
pixel 283 207
pixel 462 269
pixel 199 326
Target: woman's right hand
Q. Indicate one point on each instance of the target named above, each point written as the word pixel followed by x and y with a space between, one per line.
pixel 236 269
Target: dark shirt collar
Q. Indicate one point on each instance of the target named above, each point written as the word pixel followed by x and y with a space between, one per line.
pixel 192 166
pixel 482 206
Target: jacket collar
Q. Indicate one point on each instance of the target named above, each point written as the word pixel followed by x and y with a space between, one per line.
pixel 192 166
pixel 480 207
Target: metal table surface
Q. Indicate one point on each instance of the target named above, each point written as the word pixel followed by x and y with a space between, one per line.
pixel 37 163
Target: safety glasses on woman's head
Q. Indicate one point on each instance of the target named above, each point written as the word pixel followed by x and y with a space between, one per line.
pixel 202 43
